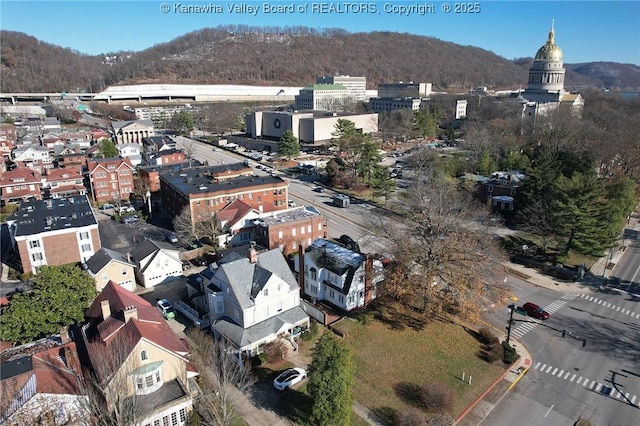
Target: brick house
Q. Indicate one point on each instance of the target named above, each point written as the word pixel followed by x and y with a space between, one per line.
pixel 54 232
pixel 207 190
pixel 288 229
pixel 69 157
pixel 164 157
pixel 20 184
pixel 151 174
pixel 110 179
pixel 59 183
pixel 8 138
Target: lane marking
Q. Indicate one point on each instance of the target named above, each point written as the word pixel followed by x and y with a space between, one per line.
pixel 550 408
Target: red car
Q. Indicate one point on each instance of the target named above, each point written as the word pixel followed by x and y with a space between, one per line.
pixel 535 311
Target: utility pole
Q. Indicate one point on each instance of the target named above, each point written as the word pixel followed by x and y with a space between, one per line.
pixel 511 309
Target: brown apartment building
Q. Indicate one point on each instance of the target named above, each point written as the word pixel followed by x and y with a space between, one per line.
pixel 8 138
pixel 20 184
pixel 54 232
pixel 208 190
pixel 110 179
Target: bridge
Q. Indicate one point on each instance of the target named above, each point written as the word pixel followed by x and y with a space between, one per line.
pixel 168 92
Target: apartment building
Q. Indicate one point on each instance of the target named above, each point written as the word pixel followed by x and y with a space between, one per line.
pixel 207 190
pixel 110 179
pixel 54 232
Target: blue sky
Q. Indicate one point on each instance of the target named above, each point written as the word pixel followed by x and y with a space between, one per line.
pixel 585 30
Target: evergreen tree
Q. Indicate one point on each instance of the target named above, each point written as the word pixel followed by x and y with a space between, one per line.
pixel 579 212
pixel 288 146
pixel 330 382
pixel 382 183
pixel 59 298
pixel 107 149
pixel 182 122
pixel 486 165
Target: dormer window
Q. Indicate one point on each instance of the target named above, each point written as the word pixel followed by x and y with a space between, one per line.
pixel 144 356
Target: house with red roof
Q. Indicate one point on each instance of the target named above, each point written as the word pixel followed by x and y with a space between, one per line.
pixel 59 183
pixel 236 220
pixel 41 382
pixel 138 362
pixel 20 184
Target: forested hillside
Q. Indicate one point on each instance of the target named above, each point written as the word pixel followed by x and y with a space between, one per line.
pixel 287 56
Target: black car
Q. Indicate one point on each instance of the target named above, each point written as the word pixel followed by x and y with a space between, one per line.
pixel 349 242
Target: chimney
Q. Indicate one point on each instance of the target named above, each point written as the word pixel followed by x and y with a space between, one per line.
pixel 368 279
pixel 130 312
pixel 253 254
pixel 106 310
pixel 301 269
pixel 64 335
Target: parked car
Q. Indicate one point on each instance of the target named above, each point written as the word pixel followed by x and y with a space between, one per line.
pixel 535 311
pixel 289 378
pixel 166 309
pixel 185 265
pixel 130 219
pixel 292 203
pixel 126 209
pixel 318 189
pixel 172 238
pixel 106 206
pixel 349 242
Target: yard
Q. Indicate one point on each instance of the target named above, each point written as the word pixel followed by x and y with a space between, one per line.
pixel 389 357
pixel 392 357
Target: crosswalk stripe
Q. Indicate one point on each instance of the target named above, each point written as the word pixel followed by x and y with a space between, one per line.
pixel 597 389
pixel 590 299
pixel 599 302
pixel 579 380
pixel 586 382
pixel 613 307
pixel 560 373
pixel 626 396
pixel 608 304
pixel 619 396
pixel 567 375
pixel 543 367
pixel 572 377
pixel 549 369
pixel 554 372
pixel 618 309
pixel 633 400
pixel 537 364
pixel 593 382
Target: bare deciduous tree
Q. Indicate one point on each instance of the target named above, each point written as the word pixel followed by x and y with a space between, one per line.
pixel 203 225
pixel 221 376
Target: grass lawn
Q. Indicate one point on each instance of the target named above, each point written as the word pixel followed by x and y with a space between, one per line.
pixel 388 358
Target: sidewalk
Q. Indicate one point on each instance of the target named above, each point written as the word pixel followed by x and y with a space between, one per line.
pixel 486 402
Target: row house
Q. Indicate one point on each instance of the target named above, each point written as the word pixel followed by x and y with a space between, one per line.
pixel 54 232
pixel 61 183
pixel 20 184
pixel 207 190
pixel 8 139
pixel 131 131
pixel 110 179
pixel 69 156
pixel 34 157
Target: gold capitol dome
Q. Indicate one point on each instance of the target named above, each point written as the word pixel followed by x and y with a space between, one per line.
pixel 550 52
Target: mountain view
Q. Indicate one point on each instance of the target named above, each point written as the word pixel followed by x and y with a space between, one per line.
pixel 285 56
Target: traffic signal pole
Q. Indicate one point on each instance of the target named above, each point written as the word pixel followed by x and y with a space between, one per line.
pixel 512 308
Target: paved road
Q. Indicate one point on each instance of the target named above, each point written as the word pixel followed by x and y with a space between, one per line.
pixel 600 381
pixel 627 271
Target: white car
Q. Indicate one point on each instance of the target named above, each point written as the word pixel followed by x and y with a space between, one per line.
pixel 289 378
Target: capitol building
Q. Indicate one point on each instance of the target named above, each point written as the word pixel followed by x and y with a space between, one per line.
pixel 545 88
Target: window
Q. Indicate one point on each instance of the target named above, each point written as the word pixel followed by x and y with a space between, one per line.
pixel 86 248
pixel 34 244
pixel 156 422
pixel 84 235
pixel 302 230
pixel 314 274
pixel 174 418
pixel 331 294
pixel 147 378
pixel 319 227
pixel 165 421
pixel 183 415
pixel 36 257
pixel 259 199
pixel 293 232
pixel 280 235
pixel 265 292
pixel 123 271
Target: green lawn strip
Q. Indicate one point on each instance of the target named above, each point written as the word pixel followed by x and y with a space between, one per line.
pixel 440 352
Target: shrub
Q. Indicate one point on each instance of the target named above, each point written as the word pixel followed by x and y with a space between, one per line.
pixel 510 354
pixel 487 337
pixel 411 417
pixel 258 360
pixel 277 350
pixel 311 333
pixel 493 353
pixel 436 397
